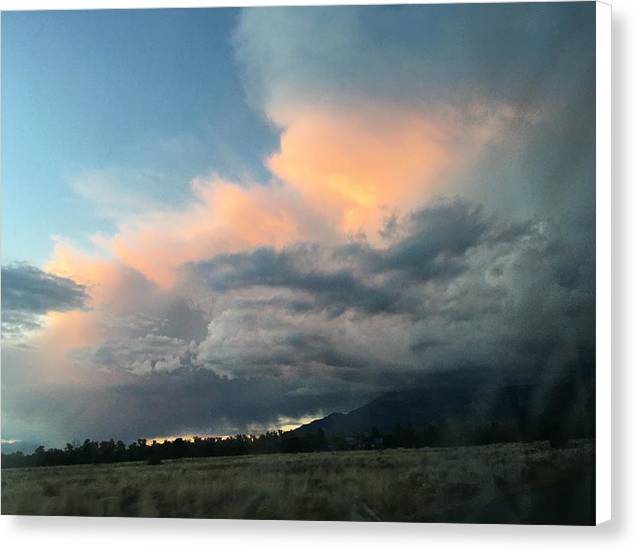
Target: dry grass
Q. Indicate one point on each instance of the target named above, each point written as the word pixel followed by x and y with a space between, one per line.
pixel 390 485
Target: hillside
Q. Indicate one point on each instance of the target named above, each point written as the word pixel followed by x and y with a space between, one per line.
pixel 458 412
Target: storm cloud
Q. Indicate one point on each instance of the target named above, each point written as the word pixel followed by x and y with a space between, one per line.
pixel 281 334
pixel 28 292
pixel 442 54
pixel 456 287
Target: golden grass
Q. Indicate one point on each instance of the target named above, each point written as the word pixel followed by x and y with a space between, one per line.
pixel 391 485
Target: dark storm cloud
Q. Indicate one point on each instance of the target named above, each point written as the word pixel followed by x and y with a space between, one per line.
pixel 162 404
pixel 517 53
pixel 495 299
pixel 29 289
pixel 459 286
pixel 333 291
pixel 436 242
pixel 28 292
pixel 433 246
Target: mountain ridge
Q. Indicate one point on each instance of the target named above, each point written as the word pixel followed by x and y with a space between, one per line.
pixel 521 411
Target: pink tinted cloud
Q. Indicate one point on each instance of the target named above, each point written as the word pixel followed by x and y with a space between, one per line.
pixel 339 171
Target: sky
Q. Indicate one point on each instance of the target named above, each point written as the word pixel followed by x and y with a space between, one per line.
pixel 225 220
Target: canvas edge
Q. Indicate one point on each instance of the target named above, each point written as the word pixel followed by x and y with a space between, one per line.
pixel 603 246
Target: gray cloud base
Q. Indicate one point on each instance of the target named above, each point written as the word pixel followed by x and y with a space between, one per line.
pixel 457 288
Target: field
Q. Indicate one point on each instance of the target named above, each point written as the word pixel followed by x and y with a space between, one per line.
pixel 527 483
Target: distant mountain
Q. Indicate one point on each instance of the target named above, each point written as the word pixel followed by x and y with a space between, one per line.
pixel 460 411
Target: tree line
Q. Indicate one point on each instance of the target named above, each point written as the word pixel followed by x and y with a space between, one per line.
pixel 111 451
pixel 408 436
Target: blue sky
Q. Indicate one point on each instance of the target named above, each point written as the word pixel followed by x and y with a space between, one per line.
pixel 116 92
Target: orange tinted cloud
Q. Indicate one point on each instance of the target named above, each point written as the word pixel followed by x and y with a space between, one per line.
pixel 68 330
pixel 340 173
pixel 224 218
pixel 103 278
pixel 109 290
pixel 351 164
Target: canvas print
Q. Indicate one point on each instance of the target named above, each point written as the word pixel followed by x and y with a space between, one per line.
pixel 300 263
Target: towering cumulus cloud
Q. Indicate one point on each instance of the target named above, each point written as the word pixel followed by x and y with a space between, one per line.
pixel 429 207
pixel 356 94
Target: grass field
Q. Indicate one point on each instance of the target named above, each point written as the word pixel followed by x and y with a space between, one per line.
pixel 529 483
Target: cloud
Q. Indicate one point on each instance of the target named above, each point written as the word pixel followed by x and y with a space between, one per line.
pixel 364 131
pixel 415 55
pixel 28 293
pixel 435 241
pixel 246 335
pixel 350 164
pixel 183 401
pixel 116 193
pixel 370 126
pixel 29 289
pixel 482 100
pixel 429 245
pixel 448 286
pixel 456 287
pixel 294 269
pixel 134 325
pixel 143 354
pixel 223 217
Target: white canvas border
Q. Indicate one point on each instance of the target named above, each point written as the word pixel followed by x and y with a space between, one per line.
pixel 603 246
